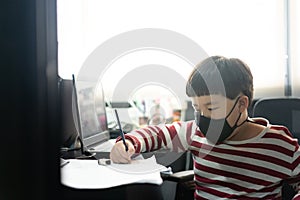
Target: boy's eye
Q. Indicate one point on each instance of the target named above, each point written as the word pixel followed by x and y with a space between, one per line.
pixel 213 108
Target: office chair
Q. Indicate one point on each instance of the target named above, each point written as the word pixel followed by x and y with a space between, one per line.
pixel 281 111
pixel 184 184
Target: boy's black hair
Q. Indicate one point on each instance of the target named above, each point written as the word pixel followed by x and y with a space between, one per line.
pixel 219 75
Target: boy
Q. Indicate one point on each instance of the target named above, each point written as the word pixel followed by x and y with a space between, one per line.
pixel 235 157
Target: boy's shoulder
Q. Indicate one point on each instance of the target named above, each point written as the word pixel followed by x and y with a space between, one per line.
pixel 276 131
pixel 280 132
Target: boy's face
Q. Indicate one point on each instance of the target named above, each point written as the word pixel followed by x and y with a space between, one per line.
pixel 216 107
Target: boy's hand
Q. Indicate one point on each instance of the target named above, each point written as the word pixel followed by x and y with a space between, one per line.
pixel 118 153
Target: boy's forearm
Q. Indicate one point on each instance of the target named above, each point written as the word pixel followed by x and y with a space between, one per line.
pixel 175 137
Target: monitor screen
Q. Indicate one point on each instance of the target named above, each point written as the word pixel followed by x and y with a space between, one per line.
pixel 92 113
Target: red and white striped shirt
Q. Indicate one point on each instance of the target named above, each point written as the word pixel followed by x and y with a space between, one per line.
pixel 249 169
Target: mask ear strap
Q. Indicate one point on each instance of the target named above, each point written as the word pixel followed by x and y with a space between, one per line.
pixel 233 106
pixel 235 124
pixel 246 120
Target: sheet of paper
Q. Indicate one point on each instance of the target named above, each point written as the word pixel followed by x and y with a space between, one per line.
pixel 88 174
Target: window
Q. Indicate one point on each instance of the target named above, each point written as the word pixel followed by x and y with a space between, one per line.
pixel 252 30
pixel 295 46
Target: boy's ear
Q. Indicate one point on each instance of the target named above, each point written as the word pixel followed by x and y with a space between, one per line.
pixel 243 103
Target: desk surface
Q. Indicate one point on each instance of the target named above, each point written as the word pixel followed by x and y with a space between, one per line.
pixel 132 191
pixel 174 160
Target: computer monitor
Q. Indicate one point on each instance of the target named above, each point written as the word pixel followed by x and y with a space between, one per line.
pixel 92 114
pixel 68 122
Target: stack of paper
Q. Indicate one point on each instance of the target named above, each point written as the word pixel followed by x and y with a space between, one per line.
pixel 88 174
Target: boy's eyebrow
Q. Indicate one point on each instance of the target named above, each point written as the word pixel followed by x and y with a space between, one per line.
pixel 207 104
pixel 210 103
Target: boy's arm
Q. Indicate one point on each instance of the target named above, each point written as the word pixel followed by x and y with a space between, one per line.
pixel 175 137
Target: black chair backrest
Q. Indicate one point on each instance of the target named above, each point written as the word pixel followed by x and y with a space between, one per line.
pixel 280 111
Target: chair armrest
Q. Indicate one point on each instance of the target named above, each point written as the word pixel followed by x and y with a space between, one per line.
pixel 179 177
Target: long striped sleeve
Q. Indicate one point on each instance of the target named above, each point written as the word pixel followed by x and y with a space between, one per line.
pixel 174 137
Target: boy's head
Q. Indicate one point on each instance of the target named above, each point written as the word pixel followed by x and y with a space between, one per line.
pixel 218 75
